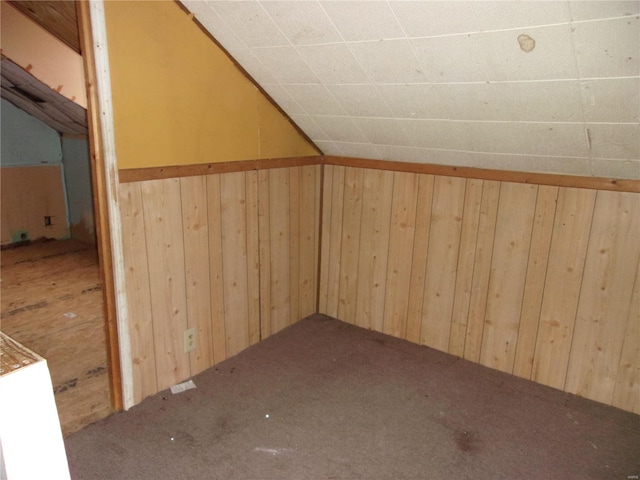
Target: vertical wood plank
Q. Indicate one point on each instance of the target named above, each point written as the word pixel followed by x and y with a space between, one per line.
pixel 514 224
pixel 419 258
pixel 334 245
pixel 165 247
pixel 264 234
pixel 138 292
pixel 327 237
pixel 234 261
pixel 482 270
pixel 280 232
pixel 626 394
pixel 605 296
pixel 535 280
pixel 294 242
pixel 218 334
pixel 193 191
pixel 308 240
pixel 442 262
pixel 374 247
pixel 562 285
pixel 253 256
pixel 318 219
pixel 403 218
pixel 351 224
pixel 466 260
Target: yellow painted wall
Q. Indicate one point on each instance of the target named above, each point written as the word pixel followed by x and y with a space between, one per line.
pixel 179 100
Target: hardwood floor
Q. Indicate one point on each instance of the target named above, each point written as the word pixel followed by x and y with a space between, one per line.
pixel 52 303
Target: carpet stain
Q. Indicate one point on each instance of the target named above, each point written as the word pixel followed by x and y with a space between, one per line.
pixel 183 438
pixel 65 386
pixel 466 441
pixel 96 371
pixel 221 427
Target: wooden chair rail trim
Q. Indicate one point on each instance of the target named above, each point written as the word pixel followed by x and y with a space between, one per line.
pixel 596 183
pixel 159 173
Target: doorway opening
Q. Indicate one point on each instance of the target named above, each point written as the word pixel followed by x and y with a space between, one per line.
pixel 54 287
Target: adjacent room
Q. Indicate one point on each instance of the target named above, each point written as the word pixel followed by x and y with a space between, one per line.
pixel 381 238
pixel 52 298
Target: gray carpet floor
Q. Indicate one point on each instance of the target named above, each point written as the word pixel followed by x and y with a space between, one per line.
pixel 327 400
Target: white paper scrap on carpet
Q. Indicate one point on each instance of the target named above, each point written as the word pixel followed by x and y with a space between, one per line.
pixel 181 387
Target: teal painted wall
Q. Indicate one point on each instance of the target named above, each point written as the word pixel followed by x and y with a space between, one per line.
pixel 25 140
pixel 77 173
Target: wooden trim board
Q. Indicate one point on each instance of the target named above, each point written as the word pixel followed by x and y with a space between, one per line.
pixel 105 184
pixel 596 183
pixel 160 173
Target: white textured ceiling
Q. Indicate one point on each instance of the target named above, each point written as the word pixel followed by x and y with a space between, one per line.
pixel 534 86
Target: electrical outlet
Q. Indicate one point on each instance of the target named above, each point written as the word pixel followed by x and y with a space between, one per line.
pixel 189 340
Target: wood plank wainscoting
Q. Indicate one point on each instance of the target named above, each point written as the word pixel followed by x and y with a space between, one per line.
pixel 532 274
pixel 228 249
pixel 534 279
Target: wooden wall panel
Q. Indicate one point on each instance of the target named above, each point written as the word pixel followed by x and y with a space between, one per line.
pixel 294 242
pixel 627 389
pixel 403 223
pixel 253 256
pixel 264 252
pixel 373 249
pixel 562 285
pixel 508 272
pixel 280 242
pixel 27 195
pixel 419 257
pixel 288 227
pixel 318 173
pixel 216 272
pixel 481 269
pixel 234 261
pixel 326 239
pixel 466 260
pixel 541 281
pixel 535 281
pixel 165 250
pixel 528 279
pixel 309 196
pixel 331 240
pixel 223 253
pixel 143 357
pixel 351 226
pixel 605 296
pixel 196 258
pixel 442 261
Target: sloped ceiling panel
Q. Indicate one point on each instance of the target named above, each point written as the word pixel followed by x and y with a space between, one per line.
pixel 532 86
pixel 29 94
pixel 58 17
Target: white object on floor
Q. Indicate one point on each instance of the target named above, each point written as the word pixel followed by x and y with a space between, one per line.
pixel 30 436
pixel 181 387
